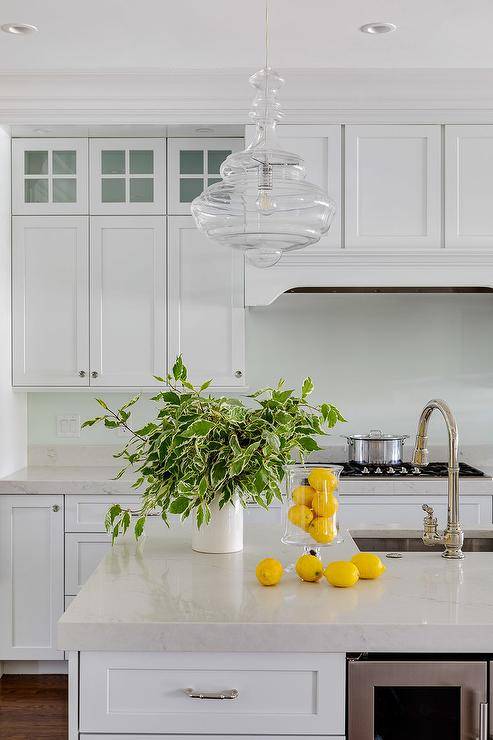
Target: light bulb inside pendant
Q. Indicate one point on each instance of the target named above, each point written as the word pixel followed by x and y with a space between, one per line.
pixel 265 201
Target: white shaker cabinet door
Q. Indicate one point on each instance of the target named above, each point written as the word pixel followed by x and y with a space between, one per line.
pixel 206 314
pixel 468 186
pixel 128 176
pixel 50 267
pixel 49 176
pixel 31 576
pixel 393 187
pixel 128 300
pixel 320 147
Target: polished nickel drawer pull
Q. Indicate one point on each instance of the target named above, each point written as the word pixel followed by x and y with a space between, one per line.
pixel 230 694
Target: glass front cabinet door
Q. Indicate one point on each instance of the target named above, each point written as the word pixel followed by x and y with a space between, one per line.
pixel 193 165
pixel 128 176
pixel 49 177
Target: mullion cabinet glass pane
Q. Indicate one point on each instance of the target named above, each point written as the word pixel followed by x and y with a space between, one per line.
pixel 190 188
pixel 213 180
pixel 112 162
pixel 36 190
pixel 215 158
pixel 141 190
pixel 191 162
pixel 64 190
pixel 141 162
pixel 113 190
pixel 35 163
pixel 64 163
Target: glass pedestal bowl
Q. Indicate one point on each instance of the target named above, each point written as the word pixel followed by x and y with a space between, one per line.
pixel 310 507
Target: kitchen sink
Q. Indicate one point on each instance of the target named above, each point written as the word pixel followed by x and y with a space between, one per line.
pixel 397 541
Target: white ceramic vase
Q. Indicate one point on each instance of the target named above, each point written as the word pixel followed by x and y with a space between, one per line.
pixel 224 533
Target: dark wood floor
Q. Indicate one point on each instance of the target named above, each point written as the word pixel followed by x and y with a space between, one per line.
pixel 33 707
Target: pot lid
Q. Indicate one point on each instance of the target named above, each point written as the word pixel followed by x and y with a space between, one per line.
pixel 376 435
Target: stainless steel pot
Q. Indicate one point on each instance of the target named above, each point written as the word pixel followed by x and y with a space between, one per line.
pixel 375 448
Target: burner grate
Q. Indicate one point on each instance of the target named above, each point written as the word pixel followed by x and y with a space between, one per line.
pixel 405 470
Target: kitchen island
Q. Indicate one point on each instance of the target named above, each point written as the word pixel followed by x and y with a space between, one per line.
pixel 156 619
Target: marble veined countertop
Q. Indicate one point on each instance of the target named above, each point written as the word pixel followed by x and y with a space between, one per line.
pixel 159 595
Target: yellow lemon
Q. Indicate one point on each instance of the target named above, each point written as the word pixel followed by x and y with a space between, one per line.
pixel 323 479
pixel 309 568
pixel 369 565
pixel 322 529
pixel 303 495
pixel 269 571
pixel 342 574
pixel 300 515
pixel 324 504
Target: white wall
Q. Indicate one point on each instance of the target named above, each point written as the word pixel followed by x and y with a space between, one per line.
pixel 379 357
pixel 13 406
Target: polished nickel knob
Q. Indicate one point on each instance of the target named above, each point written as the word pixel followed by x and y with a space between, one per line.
pixel 238 374
pixel 55 508
pixel 94 374
pixel 82 373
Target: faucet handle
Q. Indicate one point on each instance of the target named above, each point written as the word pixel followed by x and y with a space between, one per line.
pixel 430 521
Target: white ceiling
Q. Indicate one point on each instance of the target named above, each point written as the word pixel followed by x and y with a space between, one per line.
pixel 227 34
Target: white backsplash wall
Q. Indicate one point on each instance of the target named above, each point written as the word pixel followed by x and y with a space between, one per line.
pixel 379 357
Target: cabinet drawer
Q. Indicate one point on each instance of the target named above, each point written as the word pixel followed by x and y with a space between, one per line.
pixel 83 553
pixel 405 511
pixel 86 513
pixel 277 694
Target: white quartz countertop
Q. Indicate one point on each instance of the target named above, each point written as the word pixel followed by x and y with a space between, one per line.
pixel 87 479
pixel 159 595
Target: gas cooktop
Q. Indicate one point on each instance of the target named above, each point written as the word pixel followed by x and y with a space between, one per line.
pixel 406 470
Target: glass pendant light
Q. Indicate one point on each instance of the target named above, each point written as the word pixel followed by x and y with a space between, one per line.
pixel 263 204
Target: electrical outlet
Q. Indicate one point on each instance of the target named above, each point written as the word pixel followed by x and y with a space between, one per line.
pixel 68 425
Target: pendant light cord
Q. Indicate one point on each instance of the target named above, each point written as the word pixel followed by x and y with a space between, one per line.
pixel 266 34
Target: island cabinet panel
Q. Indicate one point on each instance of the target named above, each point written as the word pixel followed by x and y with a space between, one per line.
pixel 406 511
pixel 393 186
pixel 211 737
pixel 278 694
pixel 31 576
pixel 128 300
pixel 206 305
pixel 468 187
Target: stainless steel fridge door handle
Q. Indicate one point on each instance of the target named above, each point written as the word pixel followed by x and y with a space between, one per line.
pixel 483 721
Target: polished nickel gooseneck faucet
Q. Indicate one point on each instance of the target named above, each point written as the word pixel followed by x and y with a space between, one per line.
pixel 453 536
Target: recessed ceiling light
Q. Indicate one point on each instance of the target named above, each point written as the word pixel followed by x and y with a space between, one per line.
pixel 375 28
pixel 19 29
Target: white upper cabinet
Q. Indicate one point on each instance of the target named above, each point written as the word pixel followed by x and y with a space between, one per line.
pixel 320 147
pixel 128 176
pixel 128 300
pixel 193 165
pixel 31 576
pixel 50 300
pixel 468 186
pixel 49 176
pixel 206 319
pixel 393 186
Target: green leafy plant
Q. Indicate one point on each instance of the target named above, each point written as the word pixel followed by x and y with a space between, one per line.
pixel 200 447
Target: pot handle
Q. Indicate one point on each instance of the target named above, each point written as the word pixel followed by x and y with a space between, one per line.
pixel 375 433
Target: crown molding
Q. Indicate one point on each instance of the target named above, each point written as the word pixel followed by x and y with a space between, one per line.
pixel 219 96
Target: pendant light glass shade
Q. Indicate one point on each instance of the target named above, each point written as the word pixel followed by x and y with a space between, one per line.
pixel 263 204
